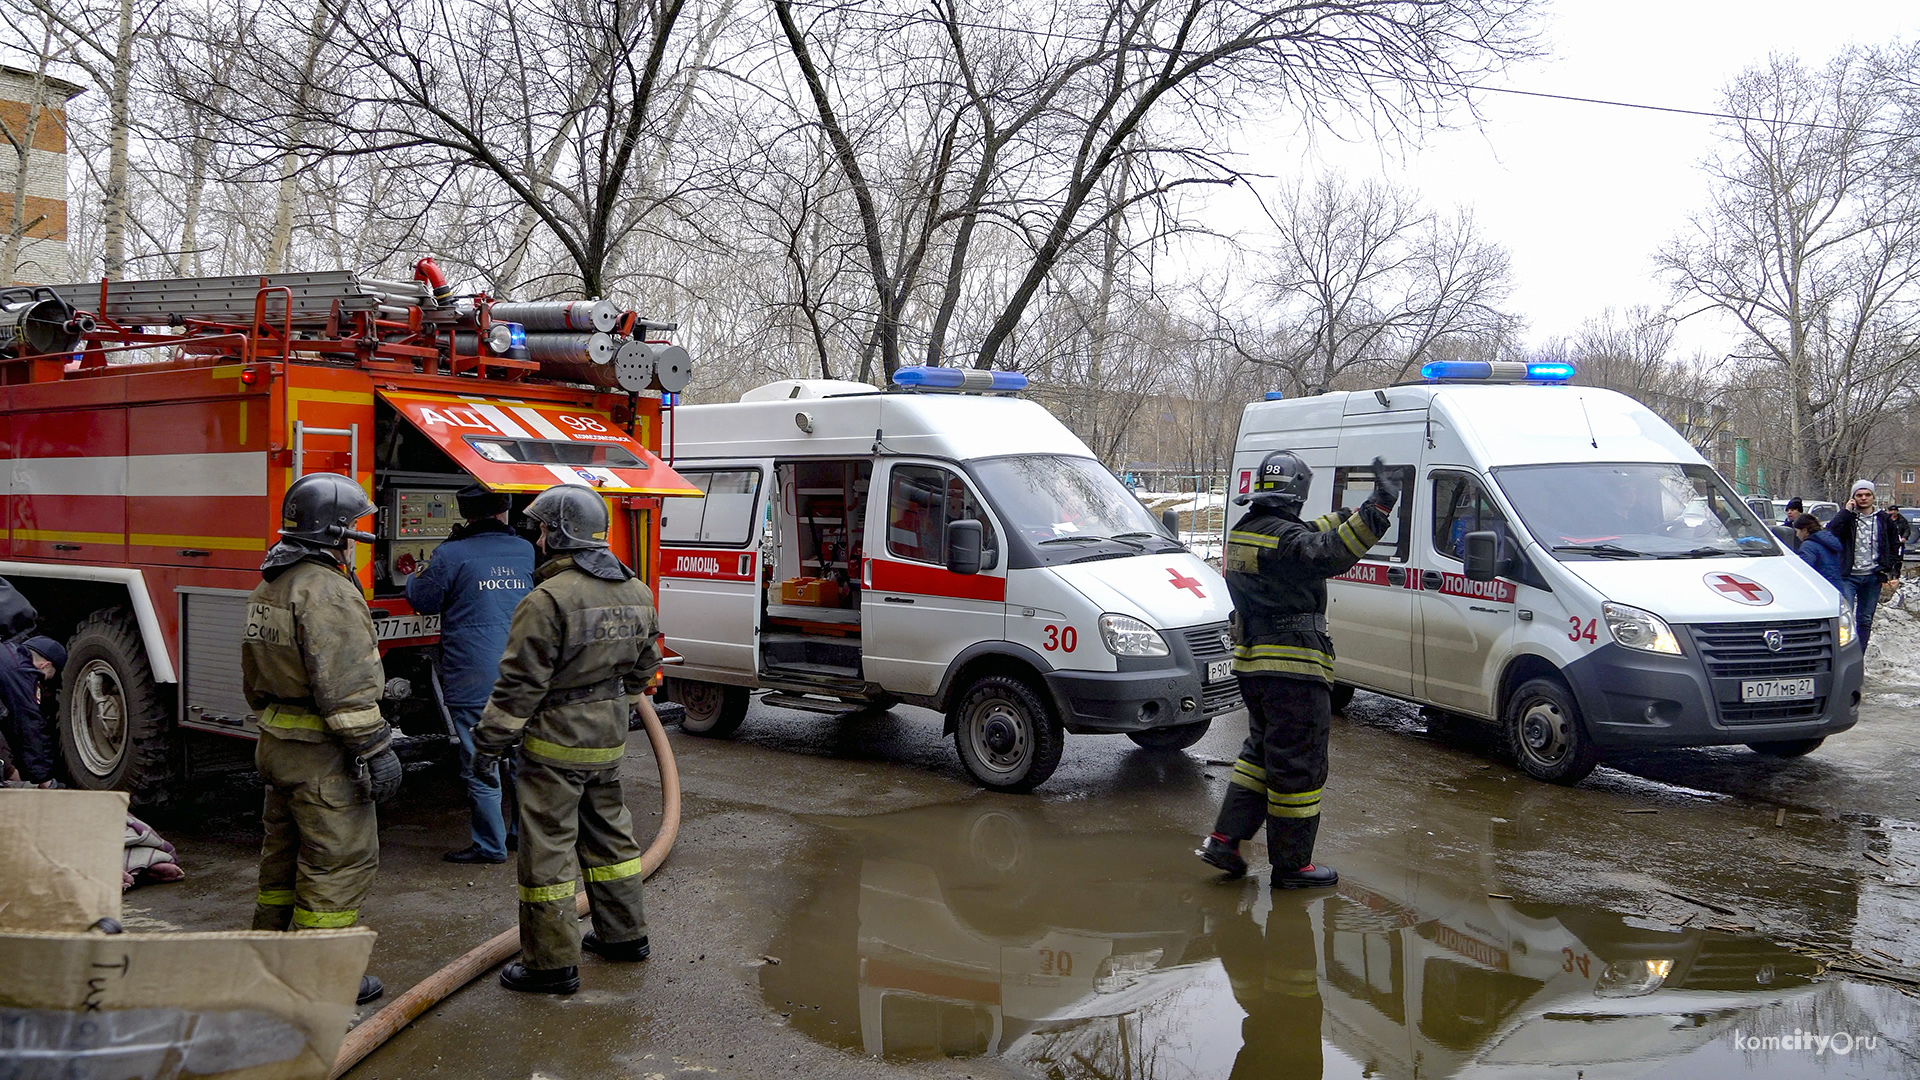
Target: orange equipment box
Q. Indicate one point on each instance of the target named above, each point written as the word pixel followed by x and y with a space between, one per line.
pixel 812 592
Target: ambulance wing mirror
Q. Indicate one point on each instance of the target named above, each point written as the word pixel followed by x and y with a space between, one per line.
pixel 964 542
pixel 1170 521
pixel 1485 559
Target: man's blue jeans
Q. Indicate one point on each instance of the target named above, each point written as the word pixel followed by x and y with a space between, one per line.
pixel 1864 593
pixel 483 795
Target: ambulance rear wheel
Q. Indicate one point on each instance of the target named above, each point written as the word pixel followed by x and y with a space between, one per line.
pixel 1171 738
pixel 1008 739
pixel 1547 736
pixel 713 710
pixel 112 727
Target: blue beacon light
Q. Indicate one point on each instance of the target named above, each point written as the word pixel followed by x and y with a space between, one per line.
pixel 949 378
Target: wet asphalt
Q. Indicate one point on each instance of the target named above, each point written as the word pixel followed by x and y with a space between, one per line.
pixel 842 901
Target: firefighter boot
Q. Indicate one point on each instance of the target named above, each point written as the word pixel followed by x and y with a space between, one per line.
pixel 370 987
pixel 627 952
pixel 1307 877
pixel 1223 854
pixel 517 976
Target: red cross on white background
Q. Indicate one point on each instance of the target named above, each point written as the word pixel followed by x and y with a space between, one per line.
pixel 1181 581
pixel 1750 591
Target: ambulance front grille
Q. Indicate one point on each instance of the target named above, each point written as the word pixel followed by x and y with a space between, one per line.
pixel 1739 650
pixel 1209 643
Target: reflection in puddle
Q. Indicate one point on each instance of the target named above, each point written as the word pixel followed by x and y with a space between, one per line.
pixel 961 931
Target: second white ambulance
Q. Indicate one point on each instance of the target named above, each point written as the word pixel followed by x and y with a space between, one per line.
pixel 959 551
pixel 1563 564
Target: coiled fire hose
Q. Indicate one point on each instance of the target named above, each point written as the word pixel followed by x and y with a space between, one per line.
pixel 383 1025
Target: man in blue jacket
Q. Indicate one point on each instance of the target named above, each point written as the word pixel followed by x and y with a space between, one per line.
pixel 26 668
pixel 474 581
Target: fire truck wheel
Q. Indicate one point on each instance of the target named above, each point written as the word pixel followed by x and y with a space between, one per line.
pixel 1008 739
pixel 1171 738
pixel 713 710
pixel 112 728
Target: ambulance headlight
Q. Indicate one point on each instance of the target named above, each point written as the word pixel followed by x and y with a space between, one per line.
pixel 1637 629
pixel 1127 636
pixel 1847 629
pixel 1632 978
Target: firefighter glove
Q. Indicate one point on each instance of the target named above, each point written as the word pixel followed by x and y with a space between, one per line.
pixel 1386 489
pixel 383 769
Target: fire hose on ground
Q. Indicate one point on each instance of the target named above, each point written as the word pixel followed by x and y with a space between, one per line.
pixel 383 1025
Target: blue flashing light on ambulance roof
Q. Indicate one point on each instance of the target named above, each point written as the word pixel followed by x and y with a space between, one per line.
pixel 1495 371
pixel 1275 395
pixel 950 378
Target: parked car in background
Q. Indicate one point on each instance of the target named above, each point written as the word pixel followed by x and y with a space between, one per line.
pixel 1822 511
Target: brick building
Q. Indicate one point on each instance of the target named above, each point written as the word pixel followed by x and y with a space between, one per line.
pixel 33 206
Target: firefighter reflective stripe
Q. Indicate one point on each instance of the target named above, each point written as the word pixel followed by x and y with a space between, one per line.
pixel 274 898
pixel 547 894
pixel 614 872
pixel 1282 660
pixel 1303 804
pixel 355 721
pixel 1257 539
pixel 1250 776
pixel 292 717
pixel 1293 982
pixel 324 920
pixel 1356 535
pixel 582 755
pixel 1325 523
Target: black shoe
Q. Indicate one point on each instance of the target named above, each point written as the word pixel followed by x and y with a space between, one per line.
pixel 513 841
pixel 1307 877
pixel 472 854
pixel 517 976
pixel 370 987
pixel 626 952
pixel 1222 856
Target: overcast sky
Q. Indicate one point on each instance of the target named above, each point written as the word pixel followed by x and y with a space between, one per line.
pixel 1583 195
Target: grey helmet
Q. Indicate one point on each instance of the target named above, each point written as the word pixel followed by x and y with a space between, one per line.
pixel 575 517
pixel 322 508
pixel 1281 482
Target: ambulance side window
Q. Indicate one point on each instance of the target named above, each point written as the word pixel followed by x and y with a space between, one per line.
pixel 1353 485
pixel 921 500
pixel 724 516
pixel 1461 506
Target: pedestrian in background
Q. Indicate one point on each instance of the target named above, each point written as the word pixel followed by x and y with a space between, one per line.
pixel 1873 555
pixel 583 647
pixel 1822 550
pixel 473 582
pixel 1902 528
pixel 1794 509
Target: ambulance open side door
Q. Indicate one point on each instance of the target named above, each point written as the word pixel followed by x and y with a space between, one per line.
pixel 1370 608
pixel 710 572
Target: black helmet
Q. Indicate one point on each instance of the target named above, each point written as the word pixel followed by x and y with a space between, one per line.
pixel 575 517
pixel 1281 481
pixel 322 508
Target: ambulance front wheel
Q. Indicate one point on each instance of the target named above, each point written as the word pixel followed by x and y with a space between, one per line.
pixel 1008 739
pixel 713 710
pixel 1547 736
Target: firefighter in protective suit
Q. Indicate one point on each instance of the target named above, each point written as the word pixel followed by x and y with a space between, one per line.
pixel 1277 568
pixel 580 651
pixel 311 669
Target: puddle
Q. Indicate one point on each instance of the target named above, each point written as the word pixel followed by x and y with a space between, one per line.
pixel 1002 928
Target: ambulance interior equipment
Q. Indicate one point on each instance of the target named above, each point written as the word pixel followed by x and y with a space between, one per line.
pixel 1564 565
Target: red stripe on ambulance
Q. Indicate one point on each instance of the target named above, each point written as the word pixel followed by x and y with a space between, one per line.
pixel 707 564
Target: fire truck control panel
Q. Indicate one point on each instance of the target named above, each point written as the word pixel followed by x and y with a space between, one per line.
pixel 417 520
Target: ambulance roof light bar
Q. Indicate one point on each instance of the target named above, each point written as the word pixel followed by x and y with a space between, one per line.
pixel 1496 371
pixel 958 379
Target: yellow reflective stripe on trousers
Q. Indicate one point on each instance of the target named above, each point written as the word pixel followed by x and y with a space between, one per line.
pixel 547 894
pixel 1254 538
pixel 1249 776
pixel 1295 799
pixel 324 920
pixel 1303 804
pixel 583 755
pixel 292 716
pixel 274 898
pixel 614 872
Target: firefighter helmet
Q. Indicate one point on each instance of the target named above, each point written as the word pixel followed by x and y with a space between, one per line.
pixel 322 508
pixel 575 517
pixel 1282 480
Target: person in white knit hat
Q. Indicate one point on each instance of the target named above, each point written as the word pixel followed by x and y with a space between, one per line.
pixel 1872 555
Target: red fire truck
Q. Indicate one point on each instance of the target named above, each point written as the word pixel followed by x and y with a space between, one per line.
pixel 151 429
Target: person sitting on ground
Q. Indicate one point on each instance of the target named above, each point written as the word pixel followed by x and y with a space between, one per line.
pixel 25 670
pixel 1822 550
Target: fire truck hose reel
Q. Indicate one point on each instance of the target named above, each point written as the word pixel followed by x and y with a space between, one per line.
pixel 383 1025
pixel 560 316
pixel 37 321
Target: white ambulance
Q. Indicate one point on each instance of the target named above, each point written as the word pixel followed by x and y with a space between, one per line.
pixel 1565 565
pixel 959 551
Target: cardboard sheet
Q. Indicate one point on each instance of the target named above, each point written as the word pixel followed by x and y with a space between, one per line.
pixel 60 857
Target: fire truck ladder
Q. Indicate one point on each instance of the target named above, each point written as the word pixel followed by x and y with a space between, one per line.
pixel 351 433
pixel 308 299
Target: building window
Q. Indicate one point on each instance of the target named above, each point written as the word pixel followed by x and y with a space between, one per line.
pixel 1907 477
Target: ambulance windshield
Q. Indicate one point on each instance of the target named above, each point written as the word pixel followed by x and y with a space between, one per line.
pixel 1071 502
pixel 1633 510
